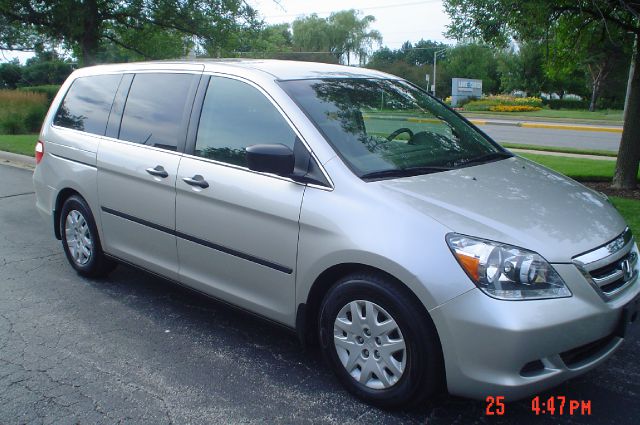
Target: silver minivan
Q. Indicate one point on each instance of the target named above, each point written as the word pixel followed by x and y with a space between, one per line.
pixel 348 205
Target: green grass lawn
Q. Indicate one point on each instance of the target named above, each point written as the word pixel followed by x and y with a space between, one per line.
pixel 610 116
pixel 577 168
pixel 20 143
pixel 630 210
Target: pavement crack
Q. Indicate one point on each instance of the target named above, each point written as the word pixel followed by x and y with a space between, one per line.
pixel 40 257
pixel 16 194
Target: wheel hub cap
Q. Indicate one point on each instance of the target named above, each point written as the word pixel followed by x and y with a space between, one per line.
pixel 78 237
pixel 369 344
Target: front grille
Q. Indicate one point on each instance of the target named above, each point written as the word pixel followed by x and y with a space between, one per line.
pixel 611 267
pixel 611 277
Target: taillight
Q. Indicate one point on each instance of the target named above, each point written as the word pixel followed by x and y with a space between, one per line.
pixel 39 151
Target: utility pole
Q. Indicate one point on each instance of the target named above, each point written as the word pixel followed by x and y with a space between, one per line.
pixel 435 62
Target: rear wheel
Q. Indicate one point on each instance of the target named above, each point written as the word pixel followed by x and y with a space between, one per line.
pixel 80 239
pixel 379 341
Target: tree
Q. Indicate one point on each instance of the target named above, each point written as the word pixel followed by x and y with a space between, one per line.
pixel 144 27
pixel 268 41
pixel 417 54
pixel 46 67
pixel 413 73
pixel 474 61
pixel 522 68
pixel 343 34
pixel 271 38
pixel 412 62
pixel 312 34
pixel 382 57
pixel 10 74
pixel 421 53
pixel 351 35
pixel 593 48
pixel 497 21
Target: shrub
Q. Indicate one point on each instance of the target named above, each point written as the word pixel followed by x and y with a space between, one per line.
pixel 21 111
pixel 514 108
pixel 34 117
pixel 489 103
pixel 462 102
pixel 567 104
pixel 480 105
pixel 49 90
pixel 12 123
pixel 610 102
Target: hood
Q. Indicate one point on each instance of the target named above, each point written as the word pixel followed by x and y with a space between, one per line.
pixel 514 201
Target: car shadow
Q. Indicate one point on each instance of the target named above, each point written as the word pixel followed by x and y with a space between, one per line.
pixel 210 332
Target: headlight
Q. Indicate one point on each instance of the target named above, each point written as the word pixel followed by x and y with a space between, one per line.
pixel 506 272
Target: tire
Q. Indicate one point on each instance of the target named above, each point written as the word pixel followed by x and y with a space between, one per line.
pixel 409 376
pixel 80 239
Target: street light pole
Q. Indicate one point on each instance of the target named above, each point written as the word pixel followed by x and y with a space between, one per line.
pixel 435 62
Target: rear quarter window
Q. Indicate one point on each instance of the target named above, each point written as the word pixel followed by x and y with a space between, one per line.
pixel 87 104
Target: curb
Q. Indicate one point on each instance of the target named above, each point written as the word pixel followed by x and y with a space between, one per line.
pixel 17 160
pixel 564 154
pixel 550 126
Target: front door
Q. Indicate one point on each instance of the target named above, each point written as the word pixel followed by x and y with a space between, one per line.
pixel 237 230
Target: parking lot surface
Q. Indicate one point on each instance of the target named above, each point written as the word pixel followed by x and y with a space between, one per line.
pixel 134 348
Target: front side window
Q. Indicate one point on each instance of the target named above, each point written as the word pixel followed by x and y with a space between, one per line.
pixel 236 115
pixel 157 109
pixel 388 128
pixel 87 104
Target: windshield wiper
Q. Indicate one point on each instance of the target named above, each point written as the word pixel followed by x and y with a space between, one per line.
pixel 486 157
pixel 405 172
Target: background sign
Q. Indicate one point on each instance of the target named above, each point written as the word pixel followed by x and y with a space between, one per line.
pixel 464 88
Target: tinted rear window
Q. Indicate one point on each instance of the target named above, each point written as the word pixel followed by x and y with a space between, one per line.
pixel 87 104
pixel 156 111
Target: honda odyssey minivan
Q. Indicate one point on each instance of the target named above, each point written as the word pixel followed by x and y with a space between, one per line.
pixel 348 205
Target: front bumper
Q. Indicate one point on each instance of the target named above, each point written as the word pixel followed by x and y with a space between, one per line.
pixel 518 348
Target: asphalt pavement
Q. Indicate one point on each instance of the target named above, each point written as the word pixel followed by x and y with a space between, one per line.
pixel 134 348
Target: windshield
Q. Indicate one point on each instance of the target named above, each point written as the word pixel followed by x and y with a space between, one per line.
pixel 389 128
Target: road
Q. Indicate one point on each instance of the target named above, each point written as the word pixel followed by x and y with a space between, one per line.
pixel 137 349
pixel 550 137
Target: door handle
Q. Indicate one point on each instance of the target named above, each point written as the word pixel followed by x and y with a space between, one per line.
pixel 196 180
pixel 158 171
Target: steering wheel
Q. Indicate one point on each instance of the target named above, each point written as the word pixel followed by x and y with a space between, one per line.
pixel 400 131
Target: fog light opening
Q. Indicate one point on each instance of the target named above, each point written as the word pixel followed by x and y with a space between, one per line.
pixel 532 368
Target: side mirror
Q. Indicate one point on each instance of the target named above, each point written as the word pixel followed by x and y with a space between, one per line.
pixel 276 159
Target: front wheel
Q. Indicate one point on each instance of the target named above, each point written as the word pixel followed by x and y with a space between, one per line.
pixel 80 239
pixel 379 341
